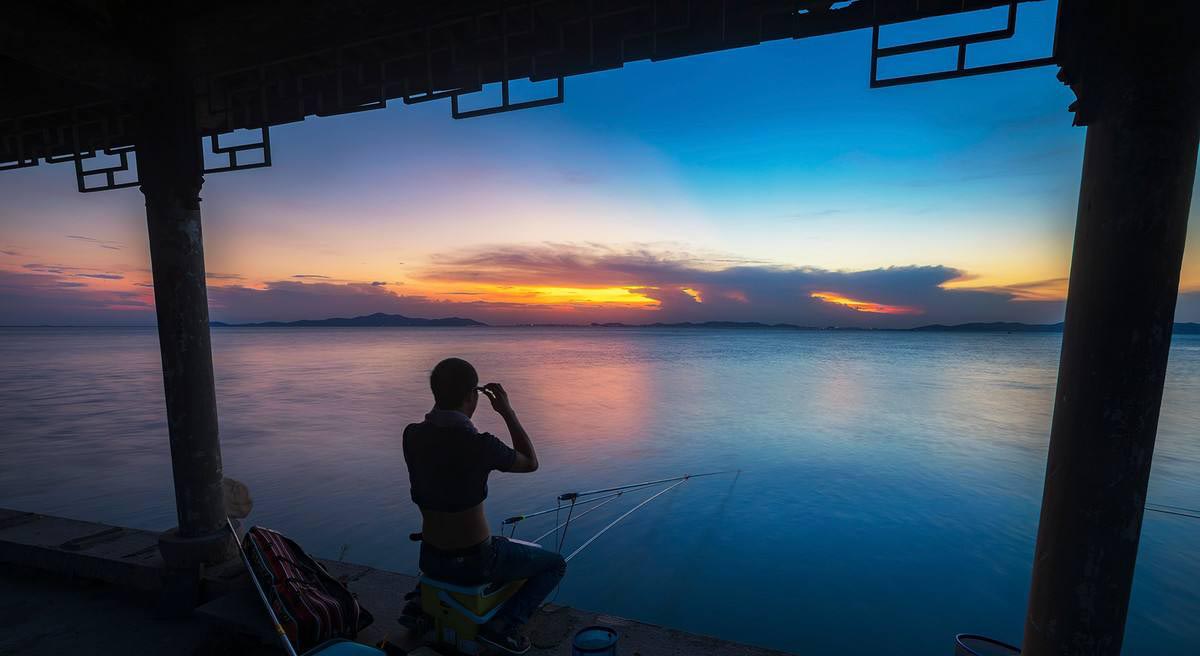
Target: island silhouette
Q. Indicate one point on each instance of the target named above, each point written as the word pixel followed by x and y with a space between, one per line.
pixel 383 320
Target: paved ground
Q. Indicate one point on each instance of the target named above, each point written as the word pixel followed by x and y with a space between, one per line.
pixel 71 587
pixel 45 614
pixel 50 615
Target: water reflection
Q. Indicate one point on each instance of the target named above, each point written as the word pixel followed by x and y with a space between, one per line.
pixel 890 487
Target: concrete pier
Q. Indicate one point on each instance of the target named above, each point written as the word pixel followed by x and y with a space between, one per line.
pixel 47 559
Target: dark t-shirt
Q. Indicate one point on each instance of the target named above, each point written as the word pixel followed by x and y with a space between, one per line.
pixel 449 462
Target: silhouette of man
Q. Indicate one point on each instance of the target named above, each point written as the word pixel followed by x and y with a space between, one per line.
pixel 448 466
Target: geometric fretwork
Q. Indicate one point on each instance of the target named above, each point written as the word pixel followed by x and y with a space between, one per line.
pixel 960 42
pixel 263 145
pixel 108 174
pixel 506 105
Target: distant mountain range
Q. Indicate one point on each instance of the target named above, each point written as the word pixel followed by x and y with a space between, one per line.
pixel 380 319
pixel 1012 327
pixel 977 327
pixel 377 320
pixel 994 327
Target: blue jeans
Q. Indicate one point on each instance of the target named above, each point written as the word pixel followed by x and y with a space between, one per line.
pixel 500 561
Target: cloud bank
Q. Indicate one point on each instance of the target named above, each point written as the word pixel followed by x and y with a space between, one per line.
pixel 636 285
pixel 58 296
pixel 667 286
pixel 696 288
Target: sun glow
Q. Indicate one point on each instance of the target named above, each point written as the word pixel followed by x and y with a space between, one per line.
pixel 545 295
pixel 863 306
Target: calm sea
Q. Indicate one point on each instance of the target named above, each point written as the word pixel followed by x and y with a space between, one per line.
pixel 888 496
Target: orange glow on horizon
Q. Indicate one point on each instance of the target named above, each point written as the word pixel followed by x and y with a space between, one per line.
pixel 538 295
pixel 863 306
pixel 1051 289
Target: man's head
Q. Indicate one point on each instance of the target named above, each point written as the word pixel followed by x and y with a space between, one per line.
pixel 453 382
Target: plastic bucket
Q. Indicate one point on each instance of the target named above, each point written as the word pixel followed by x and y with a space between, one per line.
pixel 594 641
pixel 966 644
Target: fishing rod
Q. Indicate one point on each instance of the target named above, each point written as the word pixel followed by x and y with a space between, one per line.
pixel 517 518
pixel 609 499
pixel 627 513
pixel 262 596
pixel 571 496
pixel 601 498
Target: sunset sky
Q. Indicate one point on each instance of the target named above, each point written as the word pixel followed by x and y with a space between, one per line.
pixel 766 184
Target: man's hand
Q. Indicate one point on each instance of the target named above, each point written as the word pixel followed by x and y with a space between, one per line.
pixel 499 398
pixel 526 459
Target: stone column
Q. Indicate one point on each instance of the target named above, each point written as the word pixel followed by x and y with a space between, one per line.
pixel 171 169
pixel 1135 71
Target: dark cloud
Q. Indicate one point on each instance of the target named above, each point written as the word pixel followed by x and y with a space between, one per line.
pixel 748 292
pixel 10 253
pixel 223 276
pixel 64 270
pixel 46 268
pixel 286 300
pixel 1034 290
pixel 102 243
pixel 39 298
pixel 686 288
pixel 311 275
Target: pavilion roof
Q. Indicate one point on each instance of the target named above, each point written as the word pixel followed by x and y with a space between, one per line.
pixel 74 72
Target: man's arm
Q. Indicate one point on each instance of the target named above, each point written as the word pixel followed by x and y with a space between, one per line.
pixel 526 459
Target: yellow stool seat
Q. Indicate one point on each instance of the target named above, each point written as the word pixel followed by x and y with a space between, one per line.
pixel 459 610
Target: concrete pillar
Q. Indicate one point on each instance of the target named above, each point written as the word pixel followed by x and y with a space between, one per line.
pixel 170 166
pixel 1136 77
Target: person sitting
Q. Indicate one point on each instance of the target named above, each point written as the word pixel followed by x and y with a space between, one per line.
pixel 448 466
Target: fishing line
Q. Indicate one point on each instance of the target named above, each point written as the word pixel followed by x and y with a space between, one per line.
pixel 1173 510
pixel 566 526
pixel 574 495
pixel 558 504
pixel 1167 505
pixel 623 516
pixel 601 531
pixel 577 518
pixel 718 519
pixel 612 493
pixel 558 586
pixel 520 518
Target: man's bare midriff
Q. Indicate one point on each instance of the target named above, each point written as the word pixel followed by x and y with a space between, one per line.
pixel 454 530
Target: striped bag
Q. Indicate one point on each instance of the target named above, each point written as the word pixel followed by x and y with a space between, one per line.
pixel 312 606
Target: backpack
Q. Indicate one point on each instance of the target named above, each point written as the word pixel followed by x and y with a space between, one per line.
pixel 311 605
